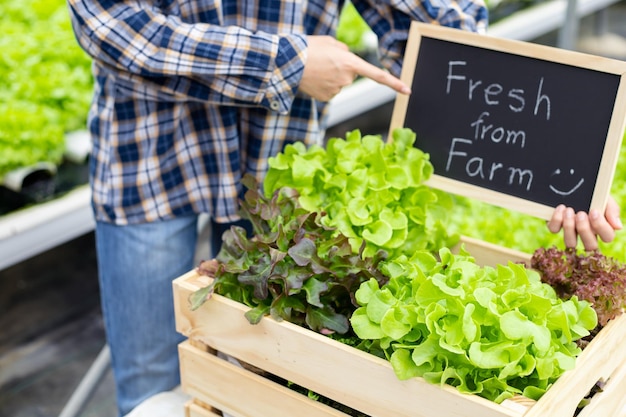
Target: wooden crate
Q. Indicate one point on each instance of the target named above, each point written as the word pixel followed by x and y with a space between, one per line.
pixel 354 378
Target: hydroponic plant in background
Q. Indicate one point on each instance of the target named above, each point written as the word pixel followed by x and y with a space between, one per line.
pixel 45 83
pixel 354 31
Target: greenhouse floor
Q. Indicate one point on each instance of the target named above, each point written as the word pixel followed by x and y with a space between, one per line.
pixel 51 332
pixel 50 315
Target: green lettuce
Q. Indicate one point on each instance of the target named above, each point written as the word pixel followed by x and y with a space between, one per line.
pixel 352 29
pixel 371 191
pixel 494 332
pixel 45 82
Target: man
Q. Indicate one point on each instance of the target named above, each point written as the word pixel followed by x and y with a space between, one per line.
pixel 189 95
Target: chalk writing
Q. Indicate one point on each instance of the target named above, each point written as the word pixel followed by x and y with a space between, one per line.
pixel 492 93
pixel 475 166
pixel 576 186
pixel 499 134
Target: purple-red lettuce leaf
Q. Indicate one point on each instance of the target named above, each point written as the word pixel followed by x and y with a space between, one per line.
pixel 590 276
pixel 293 267
pixel 257 276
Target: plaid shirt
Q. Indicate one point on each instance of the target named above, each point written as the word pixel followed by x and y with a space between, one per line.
pixel 190 94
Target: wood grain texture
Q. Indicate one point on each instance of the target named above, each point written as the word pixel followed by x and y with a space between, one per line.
pixel 194 408
pixel 242 393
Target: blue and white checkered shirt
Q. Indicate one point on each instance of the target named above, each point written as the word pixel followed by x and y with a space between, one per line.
pixel 190 94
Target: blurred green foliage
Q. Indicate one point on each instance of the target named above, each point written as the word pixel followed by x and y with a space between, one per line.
pixel 45 82
pixel 352 29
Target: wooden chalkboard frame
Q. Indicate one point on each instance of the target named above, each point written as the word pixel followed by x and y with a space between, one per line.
pixel 616 127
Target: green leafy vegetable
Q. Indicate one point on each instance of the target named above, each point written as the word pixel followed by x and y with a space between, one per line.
pixel 19 146
pixel 45 82
pixel 293 268
pixel 352 29
pixel 368 190
pixel 495 332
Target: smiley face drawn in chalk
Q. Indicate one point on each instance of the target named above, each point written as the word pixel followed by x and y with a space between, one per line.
pixel 573 189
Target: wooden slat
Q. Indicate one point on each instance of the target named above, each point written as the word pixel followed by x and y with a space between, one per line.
pixel 598 361
pixel 612 400
pixel 240 392
pixel 193 409
pixel 489 254
pixel 518 403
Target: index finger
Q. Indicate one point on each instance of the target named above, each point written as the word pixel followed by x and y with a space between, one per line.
pixel 381 76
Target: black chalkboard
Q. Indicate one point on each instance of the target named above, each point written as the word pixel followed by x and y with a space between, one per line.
pixel 511 119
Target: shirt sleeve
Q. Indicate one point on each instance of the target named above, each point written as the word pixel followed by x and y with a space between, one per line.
pixel 200 61
pixel 391 19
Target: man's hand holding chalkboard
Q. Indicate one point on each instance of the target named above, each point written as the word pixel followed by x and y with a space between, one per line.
pixel 589 227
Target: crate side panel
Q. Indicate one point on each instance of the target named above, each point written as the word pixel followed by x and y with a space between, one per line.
pixel 598 361
pixel 242 393
pixel 183 287
pixel 611 401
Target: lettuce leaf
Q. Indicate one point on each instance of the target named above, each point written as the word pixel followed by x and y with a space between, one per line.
pixel 292 267
pixel 495 332
pixel 370 191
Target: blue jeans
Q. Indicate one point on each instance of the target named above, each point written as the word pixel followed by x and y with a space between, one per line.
pixel 136 266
